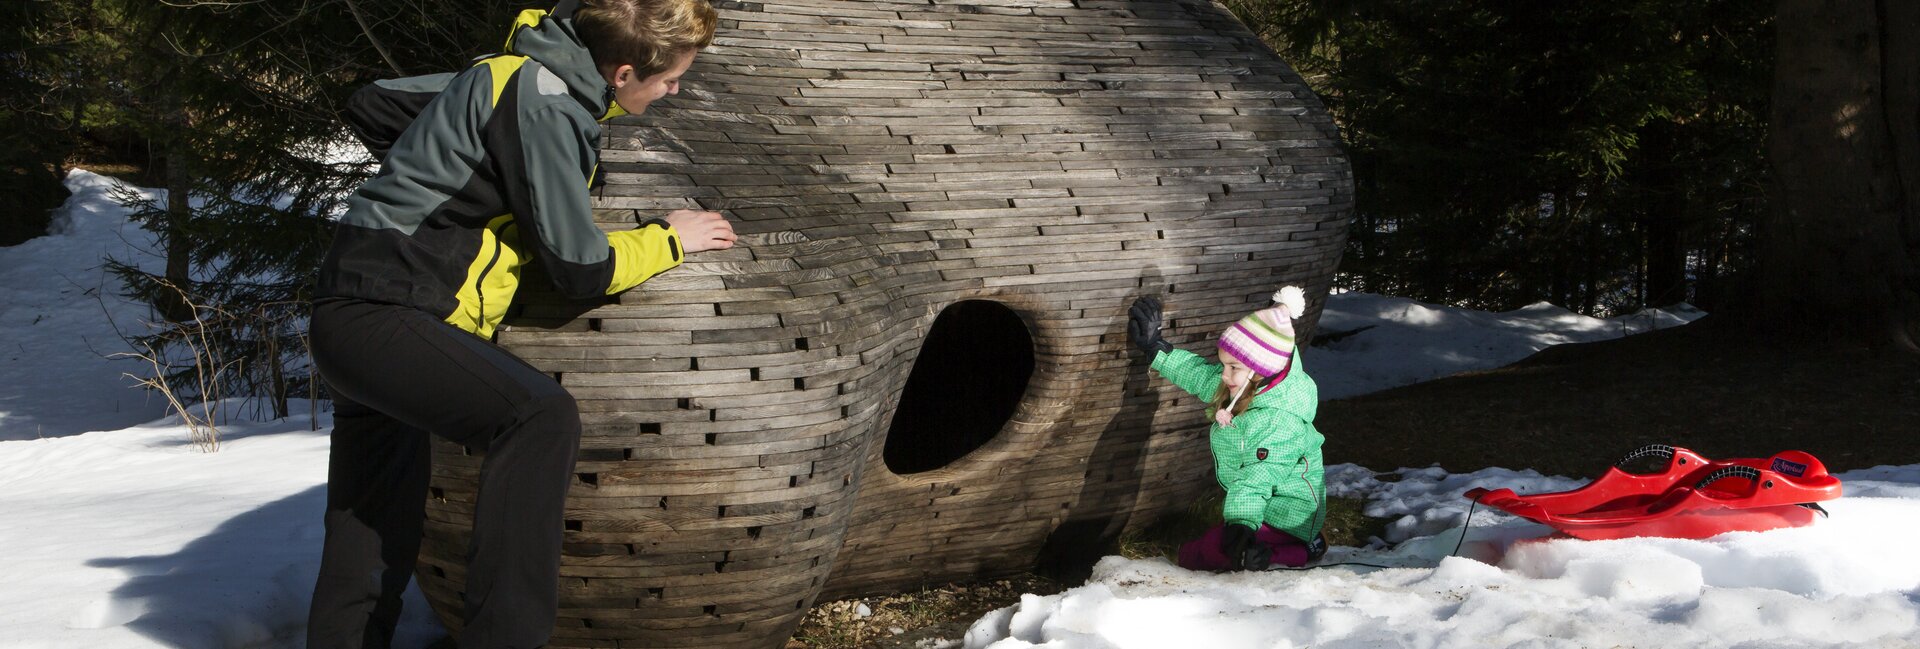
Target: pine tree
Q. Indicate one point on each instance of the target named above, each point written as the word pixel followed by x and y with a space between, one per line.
pixel 44 111
pixel 1841 248
pixel 242 102
pixel 1509 152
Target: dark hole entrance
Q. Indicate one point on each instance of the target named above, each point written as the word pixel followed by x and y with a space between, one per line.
pixel 966 383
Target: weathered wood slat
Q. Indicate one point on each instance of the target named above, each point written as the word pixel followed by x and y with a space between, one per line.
pixel 884 161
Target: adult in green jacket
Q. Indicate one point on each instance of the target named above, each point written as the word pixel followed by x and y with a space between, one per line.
pixel 483 171
pixel 1266 452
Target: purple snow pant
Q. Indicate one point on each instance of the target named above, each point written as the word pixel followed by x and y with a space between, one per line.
pixel 1204 553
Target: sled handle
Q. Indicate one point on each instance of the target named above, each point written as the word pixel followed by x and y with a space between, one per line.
pixel 1747 472
pixel 1661 451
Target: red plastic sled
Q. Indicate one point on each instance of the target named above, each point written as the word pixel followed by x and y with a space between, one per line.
pixel 1693 498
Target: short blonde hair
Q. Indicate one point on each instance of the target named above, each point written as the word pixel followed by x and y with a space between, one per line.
pixel 646 34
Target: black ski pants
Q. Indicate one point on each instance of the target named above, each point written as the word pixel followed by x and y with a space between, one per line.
pixel 396 375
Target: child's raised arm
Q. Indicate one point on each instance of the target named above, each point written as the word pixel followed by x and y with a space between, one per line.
pixel 1185 369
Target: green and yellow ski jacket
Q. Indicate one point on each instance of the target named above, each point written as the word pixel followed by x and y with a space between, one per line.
pixel 484 171
pixel 1269 459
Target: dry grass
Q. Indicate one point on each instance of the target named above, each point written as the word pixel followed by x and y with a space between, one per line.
pixel 906 620
pixel 202 416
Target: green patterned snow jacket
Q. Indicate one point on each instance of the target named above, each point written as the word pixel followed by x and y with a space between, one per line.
pixel 1269 459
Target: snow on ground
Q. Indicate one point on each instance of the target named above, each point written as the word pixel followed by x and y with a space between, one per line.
pixel 1397 341
pixel 1843 582
pixel 130 538
pixel 59 308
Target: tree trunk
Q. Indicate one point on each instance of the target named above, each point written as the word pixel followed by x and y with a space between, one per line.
pixel 1554 234
pixel 1837 253
pixel 1590 267
pixel 173 303
pixel 276 368
pixel 1664 224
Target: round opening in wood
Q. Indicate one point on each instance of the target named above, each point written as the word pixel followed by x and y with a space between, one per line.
pixel 970 375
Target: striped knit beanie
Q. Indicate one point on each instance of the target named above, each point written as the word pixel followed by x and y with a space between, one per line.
pixel 1264 339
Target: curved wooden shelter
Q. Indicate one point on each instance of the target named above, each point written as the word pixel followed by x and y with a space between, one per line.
pixel 914 368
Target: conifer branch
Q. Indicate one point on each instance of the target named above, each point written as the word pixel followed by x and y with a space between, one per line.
pixel 361 19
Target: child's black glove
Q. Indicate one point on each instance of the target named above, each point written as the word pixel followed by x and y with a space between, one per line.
pixel 1241 549
pixel 1143 325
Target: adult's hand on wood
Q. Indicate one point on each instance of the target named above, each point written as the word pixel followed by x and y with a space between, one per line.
pixel 701 230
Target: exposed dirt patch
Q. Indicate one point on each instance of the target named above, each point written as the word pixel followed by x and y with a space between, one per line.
pixel 1573 410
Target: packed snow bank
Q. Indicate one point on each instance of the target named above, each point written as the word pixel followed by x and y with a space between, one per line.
pixel 1845 581
pixel 60 309
pixel 1379 342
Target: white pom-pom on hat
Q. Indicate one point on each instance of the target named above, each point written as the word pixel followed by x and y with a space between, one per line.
pixel 1293 298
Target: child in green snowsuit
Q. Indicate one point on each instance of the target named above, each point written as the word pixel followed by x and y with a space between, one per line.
pixel 1266 452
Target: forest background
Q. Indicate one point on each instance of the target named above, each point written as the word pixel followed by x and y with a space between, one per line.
pixel 1749 157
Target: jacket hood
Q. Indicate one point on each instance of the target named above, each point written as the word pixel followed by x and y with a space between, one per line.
pixel 549 38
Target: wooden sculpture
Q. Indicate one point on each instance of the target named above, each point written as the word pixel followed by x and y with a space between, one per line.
pixel 914 367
